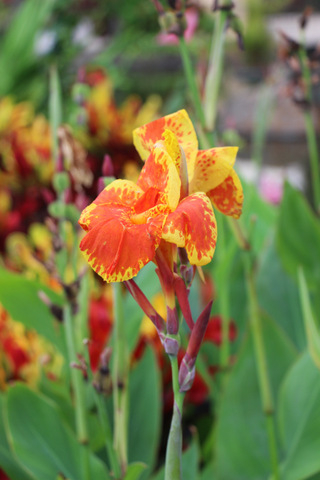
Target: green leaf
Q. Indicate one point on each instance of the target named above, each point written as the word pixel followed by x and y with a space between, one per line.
pixel 8 463
pixel 18 41
pixel 299 420
pixel 297 234
pixel 145 411
pixel 42 442
pixel 242 451
pixel 134 471
pixel 281 302
pixel 311 327
pixel 264 215
pixel 19 296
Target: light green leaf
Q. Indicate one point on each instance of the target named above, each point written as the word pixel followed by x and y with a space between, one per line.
pixel 42 442
pixel 242 451
pixel 299 420
pixel 279 297
pixel 145 411
pixel 134 471
pixel 8 463
pixel 19 296
pixel 311 327
pixel 297 235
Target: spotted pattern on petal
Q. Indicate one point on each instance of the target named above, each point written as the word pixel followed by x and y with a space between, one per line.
pixel 193 226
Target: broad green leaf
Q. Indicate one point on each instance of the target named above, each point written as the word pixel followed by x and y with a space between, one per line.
pixel 279 297
pixel 145 411
pixel 18 41
pixel 8 463
pixel 134 471
pixel 19 296
pixel 264 215
pixel 208 473
pixel 241 438
pixel 311 327
pixel 299 420
pixel 298 236
pixel 42 442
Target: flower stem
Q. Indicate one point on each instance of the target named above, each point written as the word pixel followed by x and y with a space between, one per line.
pixel 120 380
pixel 262 367
pixel 77 385
pixel 192 84
pixel 173 466
pixel 215 67
pixel 310 130
pixel 104 421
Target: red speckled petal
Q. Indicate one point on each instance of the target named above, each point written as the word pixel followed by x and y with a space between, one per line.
pixel 193 226
pixel 119 192
pixel 212 167
pixel 160 172
pixel 179 123
pixel 115 247
pixel 228 197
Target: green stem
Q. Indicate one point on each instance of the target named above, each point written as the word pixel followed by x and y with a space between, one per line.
pixel 205 142
pixel 173 467
pixel 215 68
pixel 120 380
pixel 78 390
pixel 314 158
pixel 310 130
pixel 224 302
pixel 104 421
pixel 262 367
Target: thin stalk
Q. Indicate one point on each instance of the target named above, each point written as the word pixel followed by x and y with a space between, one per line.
pixel 205 142
pixel 77 385
pixel 215 68
pixel 262 367
pixel 104 421
pixel 224 300
pixel 120 380
pixel 310 130
pixel 314 158
pixel 173 467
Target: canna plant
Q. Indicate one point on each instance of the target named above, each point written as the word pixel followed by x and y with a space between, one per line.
pixel 166 217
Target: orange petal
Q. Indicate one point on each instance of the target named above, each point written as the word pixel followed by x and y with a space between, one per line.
pixel 121 192
pixel 115 246
pixel 211 168
pixel 228 196
pixel 179 123
pixel 193 226
pixel 160 172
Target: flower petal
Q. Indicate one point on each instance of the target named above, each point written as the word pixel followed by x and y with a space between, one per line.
pixel 160 172
pixel 212 167
pixel 228 196
pixel 179 123
pixel 119 192
pixel 193 226
pixel 115 247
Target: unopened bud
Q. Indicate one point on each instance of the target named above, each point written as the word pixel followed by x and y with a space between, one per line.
pixel 171 345
pixel 61 182
pixel 107 167
pixel 187 373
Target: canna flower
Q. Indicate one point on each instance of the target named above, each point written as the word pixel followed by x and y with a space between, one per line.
pixel 127 222
pixel 209 171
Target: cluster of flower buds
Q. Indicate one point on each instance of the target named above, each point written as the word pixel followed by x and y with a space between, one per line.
pixel 304 66
pixel 175 286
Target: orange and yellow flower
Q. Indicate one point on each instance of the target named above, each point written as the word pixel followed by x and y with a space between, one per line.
pixel 210 171
pixel 127 222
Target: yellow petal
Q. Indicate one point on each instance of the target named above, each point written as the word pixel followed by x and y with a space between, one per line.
pixel 212 167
